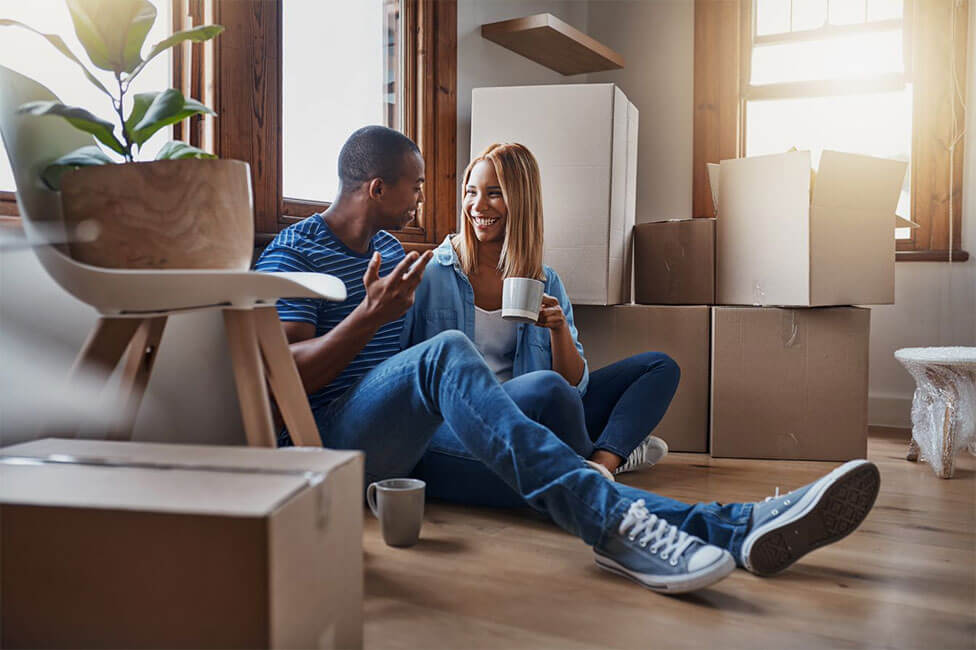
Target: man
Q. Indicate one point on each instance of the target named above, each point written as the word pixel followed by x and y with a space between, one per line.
pixel 368 395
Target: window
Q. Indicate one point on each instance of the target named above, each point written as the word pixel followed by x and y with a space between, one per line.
pixel 322 103
pixel 293 79
pixel 880 77
pixel 830 74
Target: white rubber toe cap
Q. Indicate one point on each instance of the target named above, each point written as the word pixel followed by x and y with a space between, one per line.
pixel 703 557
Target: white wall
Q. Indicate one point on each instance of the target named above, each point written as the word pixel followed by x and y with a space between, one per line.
pixel 482 63
pixel 657 41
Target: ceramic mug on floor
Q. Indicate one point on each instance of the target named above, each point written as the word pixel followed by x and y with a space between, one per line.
pixel 399 505
pixel 522 299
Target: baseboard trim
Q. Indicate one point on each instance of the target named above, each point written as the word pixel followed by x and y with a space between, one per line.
pixel 890 411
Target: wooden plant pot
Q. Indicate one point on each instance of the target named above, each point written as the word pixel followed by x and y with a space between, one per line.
pixel 167 214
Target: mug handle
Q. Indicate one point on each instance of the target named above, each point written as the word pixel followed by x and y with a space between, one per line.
pixel 371 499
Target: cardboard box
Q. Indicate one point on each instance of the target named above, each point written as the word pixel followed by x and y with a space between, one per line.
pixel 790 383
pixel 122 544
pixel 610 334
pixel 776 246
pixel 585 139
pixel 674 262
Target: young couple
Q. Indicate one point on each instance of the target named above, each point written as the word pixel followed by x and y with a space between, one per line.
pixel 417 369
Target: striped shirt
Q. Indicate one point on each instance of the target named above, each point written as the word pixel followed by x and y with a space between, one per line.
pixel 310 246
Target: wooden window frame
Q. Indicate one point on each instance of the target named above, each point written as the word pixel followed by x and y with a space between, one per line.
pixel 723 50
pixel 248 99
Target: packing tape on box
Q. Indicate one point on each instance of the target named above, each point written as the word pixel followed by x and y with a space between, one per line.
pixel 790 329
pixel 758 295
pixel 312 479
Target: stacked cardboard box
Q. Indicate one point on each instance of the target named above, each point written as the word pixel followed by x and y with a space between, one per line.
pixel 776 273
pixel 790 370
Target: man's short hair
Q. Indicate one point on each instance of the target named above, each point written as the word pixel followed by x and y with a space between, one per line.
pixel 371 152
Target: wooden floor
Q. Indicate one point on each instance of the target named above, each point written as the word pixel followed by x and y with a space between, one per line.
pixel 499 579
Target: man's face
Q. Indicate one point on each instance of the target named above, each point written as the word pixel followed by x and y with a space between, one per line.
pixel 400 200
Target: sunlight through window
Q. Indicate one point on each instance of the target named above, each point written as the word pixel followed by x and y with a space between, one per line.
pixel 32 56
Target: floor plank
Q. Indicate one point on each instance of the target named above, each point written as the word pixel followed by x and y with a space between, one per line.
pixel 484 578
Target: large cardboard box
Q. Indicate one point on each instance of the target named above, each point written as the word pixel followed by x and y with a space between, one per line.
pixel 777 246
pixel 609 334
pixel 674 262
pixel 585 139
pixel 790 383
pixel 131 545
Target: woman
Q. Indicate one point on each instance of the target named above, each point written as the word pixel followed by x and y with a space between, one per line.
pixel 605 417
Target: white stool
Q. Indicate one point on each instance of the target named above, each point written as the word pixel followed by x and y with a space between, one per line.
pixel 944 407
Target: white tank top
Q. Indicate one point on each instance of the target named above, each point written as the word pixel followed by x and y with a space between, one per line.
pixel 495 339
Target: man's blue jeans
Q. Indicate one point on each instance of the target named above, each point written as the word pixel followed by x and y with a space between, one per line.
pixel 625 402
pixel 393 412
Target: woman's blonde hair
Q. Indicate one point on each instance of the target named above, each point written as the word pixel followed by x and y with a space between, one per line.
pixel 519 178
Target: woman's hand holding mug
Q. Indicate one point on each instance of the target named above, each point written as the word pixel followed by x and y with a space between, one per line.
pixel 551 315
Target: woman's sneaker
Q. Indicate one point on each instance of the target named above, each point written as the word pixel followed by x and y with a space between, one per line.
pixel 787 527
pixel 647 454
pixel 655 554
pixel 600 468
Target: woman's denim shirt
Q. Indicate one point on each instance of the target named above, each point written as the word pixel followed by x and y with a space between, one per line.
pixel 445 301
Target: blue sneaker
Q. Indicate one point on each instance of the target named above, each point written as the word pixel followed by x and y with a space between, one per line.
pixel 655 554
pixel 787 527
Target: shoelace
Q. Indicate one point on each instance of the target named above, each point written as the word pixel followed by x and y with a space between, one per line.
pixel 636 457
pixel 651 528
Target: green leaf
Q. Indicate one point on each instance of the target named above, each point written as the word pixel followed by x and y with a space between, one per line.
pixel 78 118
pixel 112 31
pixel 140 104
pixel 87 156
pixel 176 150
pixel 59 43
pixel 168 107
pixel 196 34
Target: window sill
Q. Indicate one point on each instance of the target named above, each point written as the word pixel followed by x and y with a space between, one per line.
pixel 931 256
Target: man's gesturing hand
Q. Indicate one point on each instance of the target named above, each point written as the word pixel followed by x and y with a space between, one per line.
pixel 390 297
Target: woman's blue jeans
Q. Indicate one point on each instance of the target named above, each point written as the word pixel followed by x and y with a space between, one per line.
pixel 624 403
pixel 395 410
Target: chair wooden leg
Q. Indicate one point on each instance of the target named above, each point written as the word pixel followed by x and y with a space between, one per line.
pixel 100 353
pixel 252 393
pixel 136 369
pixel 286 384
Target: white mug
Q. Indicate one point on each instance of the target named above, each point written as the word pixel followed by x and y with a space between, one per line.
pixel 522 299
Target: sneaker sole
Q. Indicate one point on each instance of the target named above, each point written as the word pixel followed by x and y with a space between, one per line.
pixel 824 515
pixel 670 584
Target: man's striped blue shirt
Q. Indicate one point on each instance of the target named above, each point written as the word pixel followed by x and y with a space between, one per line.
pixel 310 246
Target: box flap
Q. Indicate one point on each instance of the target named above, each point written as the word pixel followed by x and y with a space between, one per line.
pixel 311 459
pixel 243 494
pixel 857 182
pixel 201 479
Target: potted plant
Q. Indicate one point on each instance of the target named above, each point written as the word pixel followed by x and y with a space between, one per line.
pixel 185 209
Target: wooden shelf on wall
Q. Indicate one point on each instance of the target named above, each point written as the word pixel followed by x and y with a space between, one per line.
pixel 554 43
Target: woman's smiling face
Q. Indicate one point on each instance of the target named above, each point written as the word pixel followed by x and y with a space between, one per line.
pixel 483 203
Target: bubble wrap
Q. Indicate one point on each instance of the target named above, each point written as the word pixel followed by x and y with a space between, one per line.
pixel 944 407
